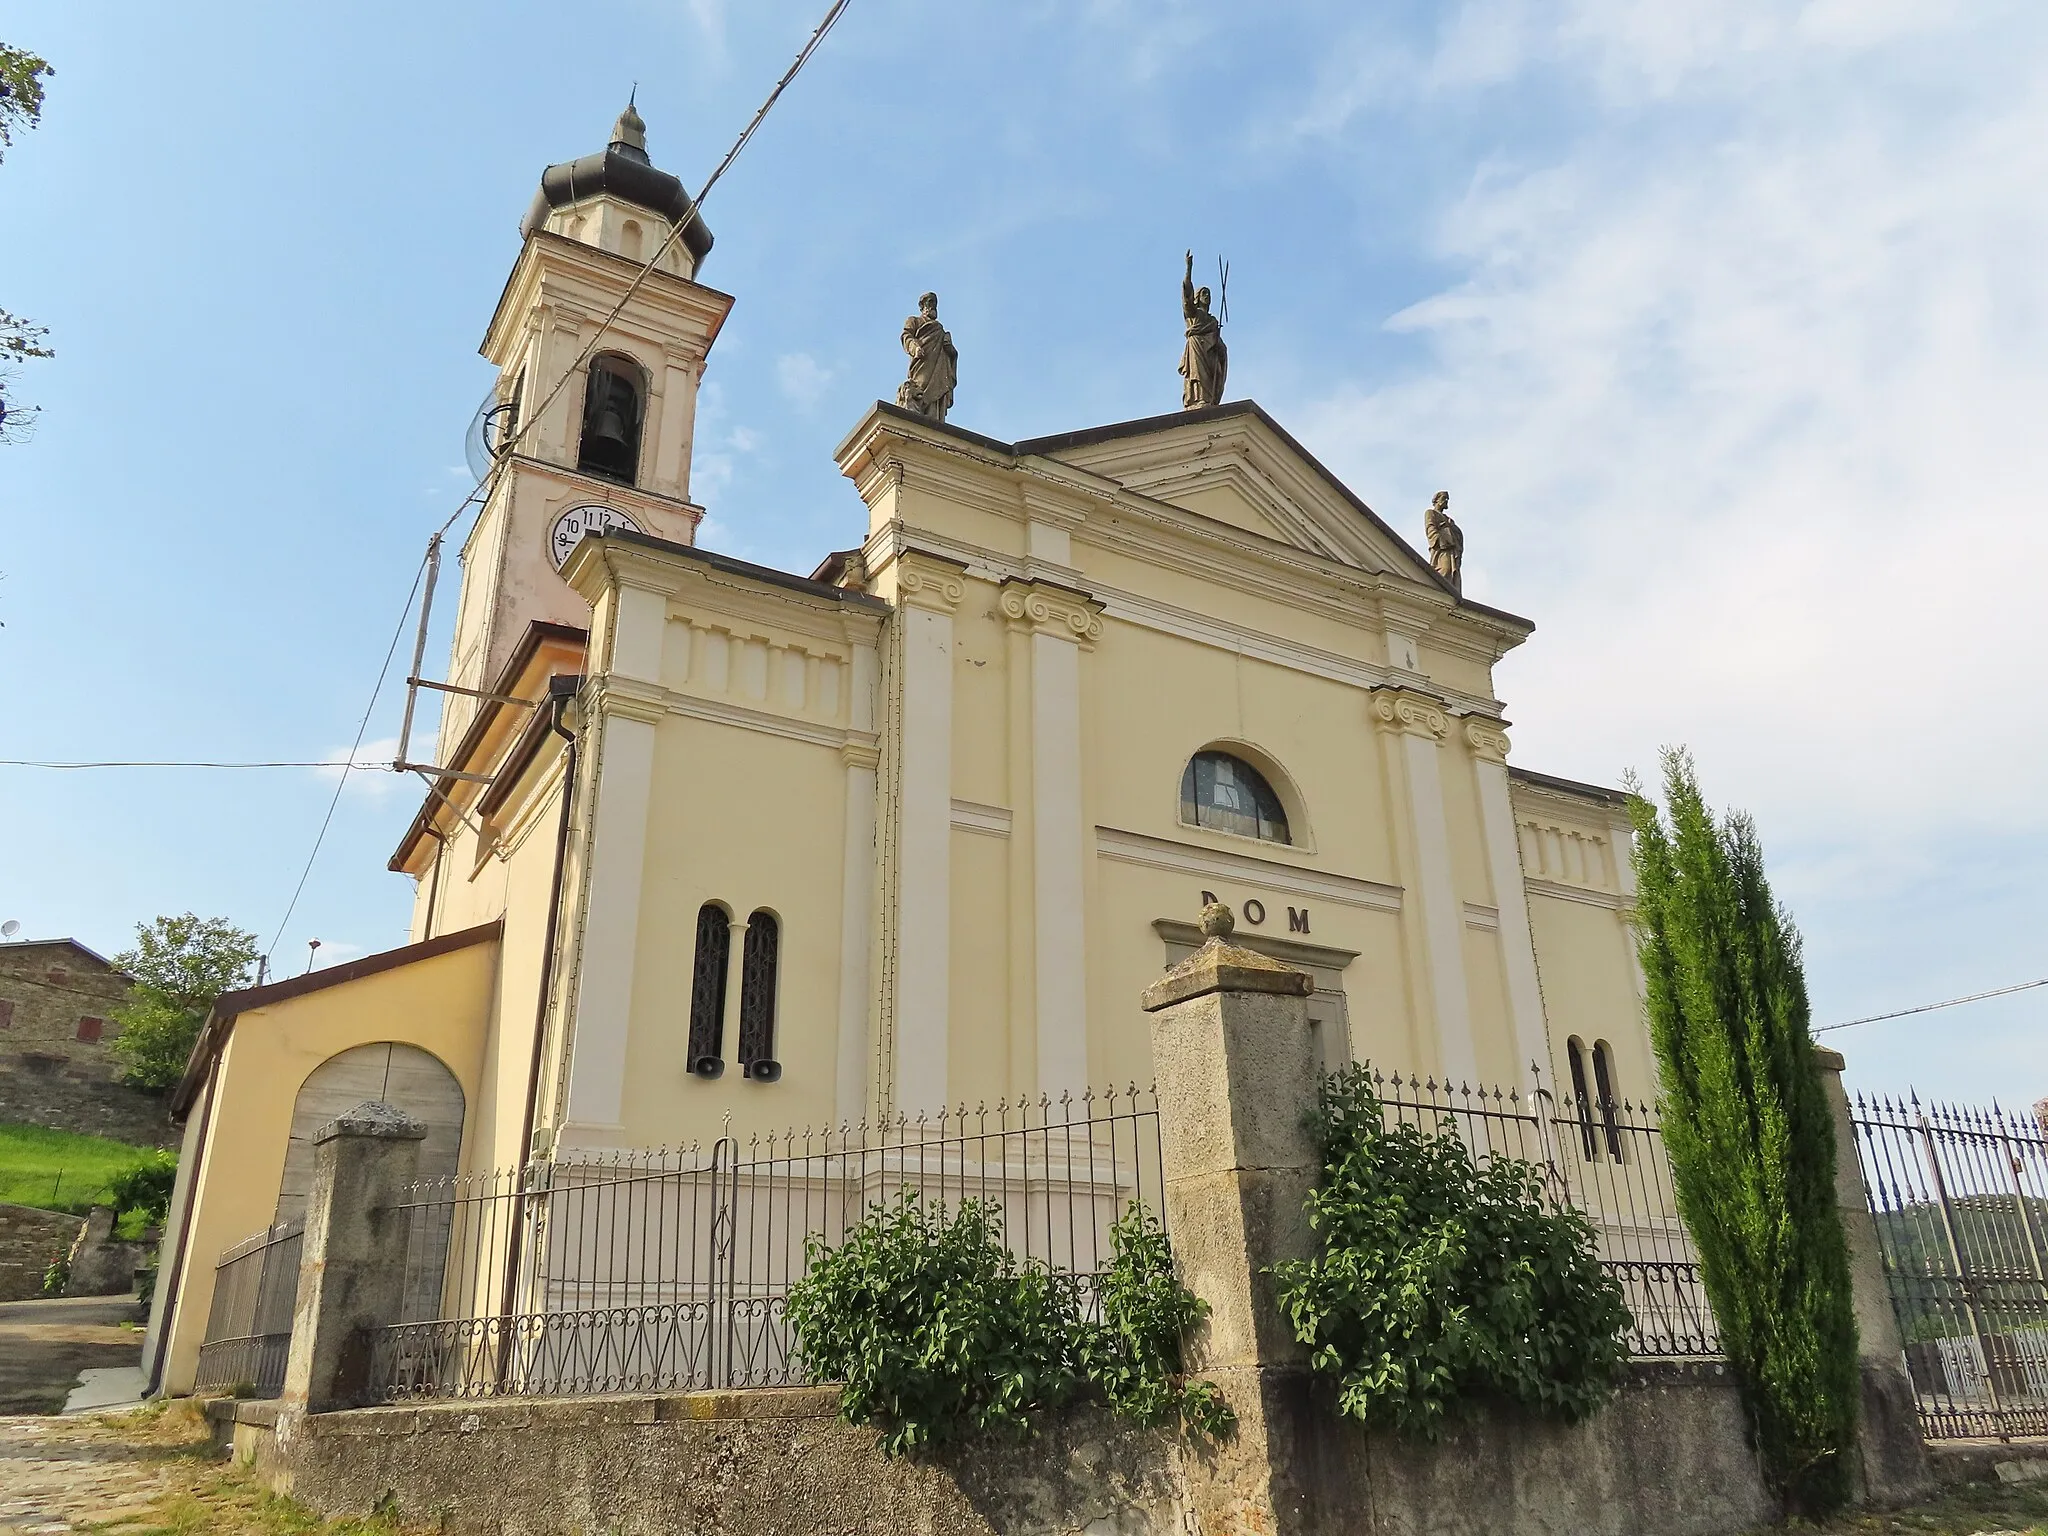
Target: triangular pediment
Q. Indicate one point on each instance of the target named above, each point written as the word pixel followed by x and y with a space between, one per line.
pixel 1233 464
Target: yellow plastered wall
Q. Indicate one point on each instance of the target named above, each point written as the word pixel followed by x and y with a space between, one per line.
pixel 441 1004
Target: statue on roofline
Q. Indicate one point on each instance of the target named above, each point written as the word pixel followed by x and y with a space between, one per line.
pixel 1446 541
pixel 1204 361
pixel 934 364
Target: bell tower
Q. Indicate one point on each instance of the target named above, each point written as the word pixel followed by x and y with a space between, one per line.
pixel 612 446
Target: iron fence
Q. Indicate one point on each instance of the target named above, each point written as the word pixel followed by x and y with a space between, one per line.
pixel 1604 1157
pixel 249 1325
pixel 1960 1198
pixel 669 1270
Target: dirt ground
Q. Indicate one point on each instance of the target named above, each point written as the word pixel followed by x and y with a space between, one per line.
pixel 45 1344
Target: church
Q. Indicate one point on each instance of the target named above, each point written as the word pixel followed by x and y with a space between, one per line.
pixel 709 846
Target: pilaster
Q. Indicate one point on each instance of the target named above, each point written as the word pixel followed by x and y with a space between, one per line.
pixel 1489 744
pixel 1061 623
pixel 1415 726
pixel 927 592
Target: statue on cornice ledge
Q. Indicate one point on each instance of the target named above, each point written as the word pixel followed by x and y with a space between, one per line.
pixel 1446 542
pixel 934 363
pixel 1204 361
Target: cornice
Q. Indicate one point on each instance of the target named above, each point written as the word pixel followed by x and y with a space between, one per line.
pixel 1408 713
pixel 1214 864
pixel 1044 609
pixel 548 262
pixel 1558 890
pixel 622 698
pixel 860 754
pixel 1489 743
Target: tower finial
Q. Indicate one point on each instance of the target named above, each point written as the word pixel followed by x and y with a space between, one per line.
pixel 630 131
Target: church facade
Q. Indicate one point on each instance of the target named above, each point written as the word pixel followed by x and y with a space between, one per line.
pixel 712 845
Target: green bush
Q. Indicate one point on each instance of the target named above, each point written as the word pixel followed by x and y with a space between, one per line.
pixel 1443 1283
pixel 1751 1137
pixel 935 1330
pixel 144 1190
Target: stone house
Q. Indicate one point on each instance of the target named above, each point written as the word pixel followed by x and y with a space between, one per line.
pixel 57 1000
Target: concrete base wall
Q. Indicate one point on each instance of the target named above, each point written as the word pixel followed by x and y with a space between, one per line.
pixel 1668 1457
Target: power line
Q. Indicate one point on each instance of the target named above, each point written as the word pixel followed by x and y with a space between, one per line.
pixel 1974 997
pixel 325 762
pixel 341 783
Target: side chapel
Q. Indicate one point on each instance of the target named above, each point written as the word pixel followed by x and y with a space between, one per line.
pixel 717 844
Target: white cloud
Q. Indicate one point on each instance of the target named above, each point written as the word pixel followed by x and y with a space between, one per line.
pixel 1741 401
pixel 802 377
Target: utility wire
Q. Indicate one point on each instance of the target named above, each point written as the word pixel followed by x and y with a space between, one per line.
pixel 532 418
pixel 325 762
pixel 341 783
pixel 1974 997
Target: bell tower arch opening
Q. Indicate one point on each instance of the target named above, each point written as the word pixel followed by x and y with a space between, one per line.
pixel 614 409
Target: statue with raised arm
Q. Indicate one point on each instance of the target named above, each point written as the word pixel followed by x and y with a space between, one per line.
pixel 1446 542
pixel 934 364
pixel 1204 361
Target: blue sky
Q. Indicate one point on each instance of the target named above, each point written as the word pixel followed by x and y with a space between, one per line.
pixel 1722 320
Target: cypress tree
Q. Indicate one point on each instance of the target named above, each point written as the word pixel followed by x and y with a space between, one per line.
pixel 1749 1133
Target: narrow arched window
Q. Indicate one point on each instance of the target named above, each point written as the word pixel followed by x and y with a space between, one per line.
pixel 1227 794
pixel 758 962
pixel 707 990
pixel 1603 1086
pixel 1582 1098
pixel 612 408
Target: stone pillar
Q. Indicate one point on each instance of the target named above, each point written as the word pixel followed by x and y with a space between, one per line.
pixel 1236 1067
pixel 1888 1429
pixel 352 1268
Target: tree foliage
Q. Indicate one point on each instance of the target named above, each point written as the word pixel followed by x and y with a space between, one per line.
pixel 935 1329
pixel 1443 1283
pixel 179 965
pixel 21 91
pixel 1749 1132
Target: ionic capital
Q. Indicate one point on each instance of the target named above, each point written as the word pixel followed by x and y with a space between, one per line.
pixel 1410 714
pixel 1488 741
pixel 1045 609
pixel 929 584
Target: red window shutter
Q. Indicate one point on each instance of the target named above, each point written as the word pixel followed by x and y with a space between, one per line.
pixel 58 976
pixel 6 1013
pixel 89 1027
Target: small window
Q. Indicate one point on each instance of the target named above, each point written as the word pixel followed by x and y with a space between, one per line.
pixel 58 976
pixel 1582 1098
pixel 707 990
pixel 6 1013
pixel 758 963
pixel 1227 794
pixel 1603 1085
pixel 611 421
pixel 90 1028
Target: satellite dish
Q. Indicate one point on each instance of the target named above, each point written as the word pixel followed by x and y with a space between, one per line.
pixel 9 929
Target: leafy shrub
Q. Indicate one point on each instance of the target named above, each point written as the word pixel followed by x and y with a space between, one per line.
pixel 57 1276
pixel 1133 1356
pixel 1442 1282
pixel 935 1329
pixel 145 1188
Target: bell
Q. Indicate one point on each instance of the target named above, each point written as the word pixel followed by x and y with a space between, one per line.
pixel 610 430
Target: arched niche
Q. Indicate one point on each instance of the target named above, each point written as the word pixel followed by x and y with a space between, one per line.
pixel 400 1075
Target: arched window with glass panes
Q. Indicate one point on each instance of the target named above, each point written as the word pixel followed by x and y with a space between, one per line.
pixel 1225 793
pixel 1593 1101
pixel 707 990
pixel 759 959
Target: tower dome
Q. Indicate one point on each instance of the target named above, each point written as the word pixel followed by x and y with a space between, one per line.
pixel 620 171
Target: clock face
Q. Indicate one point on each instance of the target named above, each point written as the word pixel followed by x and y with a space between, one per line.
pixel 577 521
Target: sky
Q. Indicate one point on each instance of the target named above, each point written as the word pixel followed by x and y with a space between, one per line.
pixel 1723 322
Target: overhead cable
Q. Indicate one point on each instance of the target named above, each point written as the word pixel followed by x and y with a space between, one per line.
pixel 1974 997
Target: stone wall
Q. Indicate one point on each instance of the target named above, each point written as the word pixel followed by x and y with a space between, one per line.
pixel 1668 1457
pixel 57 1068
pixel 30 1241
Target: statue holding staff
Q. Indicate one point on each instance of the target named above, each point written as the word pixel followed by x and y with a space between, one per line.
pixel 1204 361
pixel 934 364
pixel 1446 541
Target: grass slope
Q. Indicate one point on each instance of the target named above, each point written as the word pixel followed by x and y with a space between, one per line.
pixel 60 1170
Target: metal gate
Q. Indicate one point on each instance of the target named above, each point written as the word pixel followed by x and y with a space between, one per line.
pixel 1960 1196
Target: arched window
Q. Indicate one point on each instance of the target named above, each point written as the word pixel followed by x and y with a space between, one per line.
pixel 1603 1087
pixel 758 962
pixel 611 421
pixel 1582 1098
pixel 1227 794
pixel 707 990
